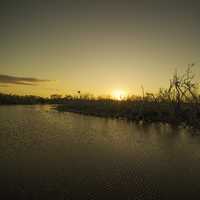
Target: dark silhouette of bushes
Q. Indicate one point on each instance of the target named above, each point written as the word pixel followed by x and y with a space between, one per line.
pixel 10 99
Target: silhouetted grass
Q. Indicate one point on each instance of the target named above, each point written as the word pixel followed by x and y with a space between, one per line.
pixel 166 112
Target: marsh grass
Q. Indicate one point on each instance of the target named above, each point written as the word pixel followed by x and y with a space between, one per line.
pixel 166 112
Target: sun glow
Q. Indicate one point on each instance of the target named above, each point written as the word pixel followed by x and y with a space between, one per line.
pixel 119 95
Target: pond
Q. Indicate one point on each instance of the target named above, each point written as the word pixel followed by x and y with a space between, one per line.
pixel 45 154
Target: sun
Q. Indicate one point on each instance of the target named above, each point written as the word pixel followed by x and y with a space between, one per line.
pixel 119 95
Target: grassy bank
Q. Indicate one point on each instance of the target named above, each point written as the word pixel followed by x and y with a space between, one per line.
pixel 187 114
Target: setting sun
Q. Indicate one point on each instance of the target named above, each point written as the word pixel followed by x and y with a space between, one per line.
pixel 119 94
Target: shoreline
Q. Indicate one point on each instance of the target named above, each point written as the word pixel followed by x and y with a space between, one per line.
pixel 136 112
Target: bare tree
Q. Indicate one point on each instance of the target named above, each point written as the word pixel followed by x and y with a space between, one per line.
pixel 182 87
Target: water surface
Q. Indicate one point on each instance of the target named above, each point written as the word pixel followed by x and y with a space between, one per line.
pixel 45 154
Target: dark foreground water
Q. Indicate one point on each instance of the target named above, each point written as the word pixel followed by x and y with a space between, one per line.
pixel 49 155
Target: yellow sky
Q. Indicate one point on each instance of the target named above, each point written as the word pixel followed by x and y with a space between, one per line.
pixel 97 47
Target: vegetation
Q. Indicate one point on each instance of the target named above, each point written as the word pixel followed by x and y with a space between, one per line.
pixel 10 99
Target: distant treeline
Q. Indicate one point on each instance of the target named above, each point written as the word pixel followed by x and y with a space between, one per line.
pixel 10 99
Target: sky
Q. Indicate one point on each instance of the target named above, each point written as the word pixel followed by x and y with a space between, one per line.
pixel 61 47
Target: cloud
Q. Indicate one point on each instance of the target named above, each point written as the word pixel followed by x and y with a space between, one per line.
pixel 2 85
pixel 6 79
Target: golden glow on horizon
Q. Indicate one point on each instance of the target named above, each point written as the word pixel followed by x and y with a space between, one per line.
pixel 119 95
pixel 96 47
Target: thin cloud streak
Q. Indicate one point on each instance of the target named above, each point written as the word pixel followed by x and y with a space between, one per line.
pixel 6 79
